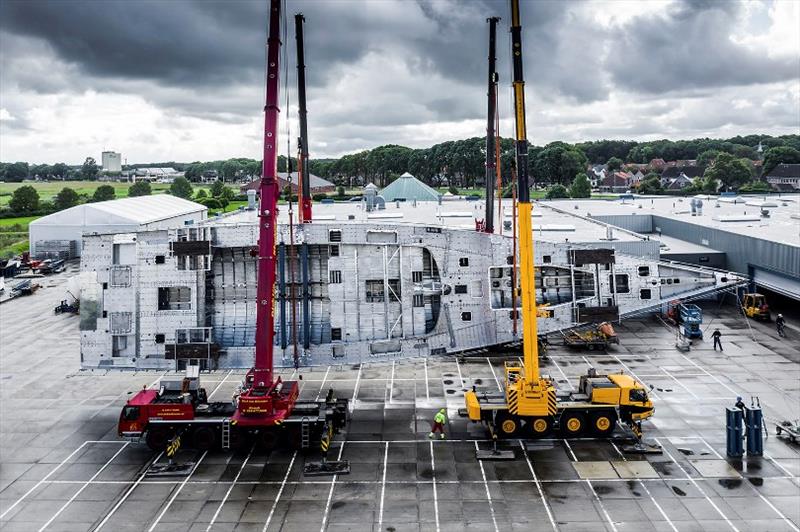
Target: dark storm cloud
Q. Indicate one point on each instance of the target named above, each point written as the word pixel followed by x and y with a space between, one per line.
pixel 690 47
pixel 210 44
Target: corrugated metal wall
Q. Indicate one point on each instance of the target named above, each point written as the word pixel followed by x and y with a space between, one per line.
pixel 742 251
pixel 641 223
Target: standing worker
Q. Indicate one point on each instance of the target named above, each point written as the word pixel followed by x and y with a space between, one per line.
pixel 780 324
pixel 740 404
pixel 438 423
pixel 717 342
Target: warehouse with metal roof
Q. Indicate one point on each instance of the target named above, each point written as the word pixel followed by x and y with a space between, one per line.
pixel 59 234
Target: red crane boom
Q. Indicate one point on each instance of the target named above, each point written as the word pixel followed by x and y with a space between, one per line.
pixel 267 214
pixel 265 400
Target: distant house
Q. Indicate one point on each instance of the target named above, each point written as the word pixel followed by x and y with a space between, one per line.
pixel 616 182
pixel 317 184
pixel 161 174
pixel 636 178
pixel 209 176
pixel 672 172
pixel 657 165
pixel 596 174
pixel 678 183
pixel 784 177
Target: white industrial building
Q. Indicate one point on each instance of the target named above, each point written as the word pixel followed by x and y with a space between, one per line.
pixel 112 161
pixel 60 234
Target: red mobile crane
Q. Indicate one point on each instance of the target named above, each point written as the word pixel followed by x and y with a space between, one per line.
pixel 266 408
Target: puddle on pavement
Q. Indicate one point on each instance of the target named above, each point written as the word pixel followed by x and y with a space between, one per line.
pixel 678 491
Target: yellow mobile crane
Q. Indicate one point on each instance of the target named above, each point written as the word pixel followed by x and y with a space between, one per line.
pixel 530 406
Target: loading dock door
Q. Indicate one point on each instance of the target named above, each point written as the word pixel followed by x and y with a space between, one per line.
pixel 788 286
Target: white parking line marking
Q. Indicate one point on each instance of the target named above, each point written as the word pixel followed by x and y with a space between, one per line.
pixel 330 495
pixel 780 514
pixel 435 495
pixel 591 488
pixel 460 378
pixel 228 493
pixel 280 492
pixel 427 389
pixel 488 494
pixel 673 377
pixel 383 484
pixel 85 485
pixel 355 389
pixel 391 383
pixel 220 384
pixel 321 386
pixel 500 388
pixel 692 362
pixel 65 460
pixel 175 495
pixel 127 493
pixel 615 357
pixel 644 487
pixel 539 487
pixel 697 486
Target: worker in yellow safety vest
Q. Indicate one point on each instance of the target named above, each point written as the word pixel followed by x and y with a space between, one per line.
pixel 438 423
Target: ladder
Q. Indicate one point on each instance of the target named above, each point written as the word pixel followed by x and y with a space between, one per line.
pixel 305 434
pixel 226 433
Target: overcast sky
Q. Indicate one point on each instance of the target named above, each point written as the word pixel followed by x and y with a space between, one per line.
pixel 183 80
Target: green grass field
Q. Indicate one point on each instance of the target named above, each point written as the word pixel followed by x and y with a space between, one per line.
pixel 47 191
pixel 8 224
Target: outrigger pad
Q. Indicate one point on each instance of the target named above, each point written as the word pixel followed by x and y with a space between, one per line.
pixel 170 470
pixel 642 448
pixel 489 454
pixel 320 469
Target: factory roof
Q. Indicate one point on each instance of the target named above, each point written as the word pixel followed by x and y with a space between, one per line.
pixel 740 215
pixel 549 224
pixel 140 210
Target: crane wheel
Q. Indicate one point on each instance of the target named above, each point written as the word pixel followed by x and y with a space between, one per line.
pixel 507 425
pixel 268 439
pixel 572 424
pixel 539 427
pixel 603 424
pixel 204 438
pixel 157 438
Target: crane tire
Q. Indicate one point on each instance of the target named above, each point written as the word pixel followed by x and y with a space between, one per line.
pixel 157 438
pixel 573 424
pixel 540 427
pixel 603 423
pixel 508 425
pixel 204 438
pixel 268 439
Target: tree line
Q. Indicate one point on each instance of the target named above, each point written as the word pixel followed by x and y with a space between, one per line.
pixel 461 162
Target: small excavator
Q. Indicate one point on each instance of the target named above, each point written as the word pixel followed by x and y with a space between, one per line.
pixel 530 406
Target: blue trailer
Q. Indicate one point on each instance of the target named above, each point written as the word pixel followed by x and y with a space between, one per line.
pixel 690 317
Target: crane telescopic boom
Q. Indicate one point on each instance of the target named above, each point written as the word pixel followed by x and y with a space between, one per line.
pixel 267 212
pixel 491 161
pixel 528 289
pixel 305 174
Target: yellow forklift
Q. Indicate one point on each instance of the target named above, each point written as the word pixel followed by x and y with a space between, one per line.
pixel 755 306
pixel 530 406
